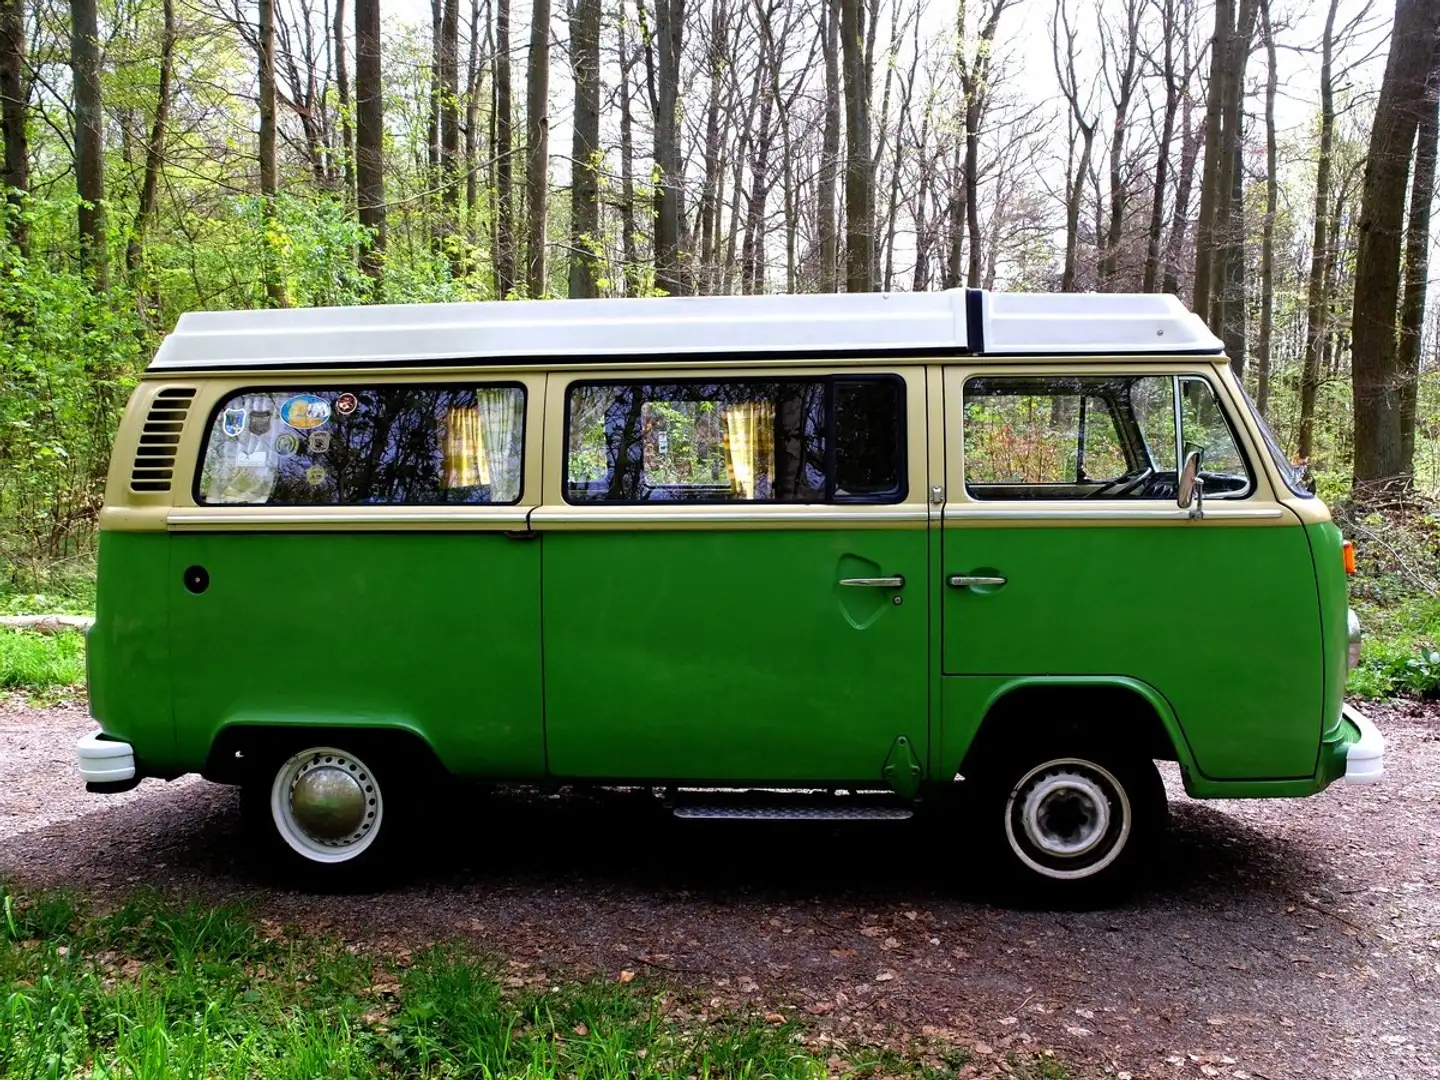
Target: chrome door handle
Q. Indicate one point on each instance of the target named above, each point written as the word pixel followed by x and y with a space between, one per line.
pixel 962 581
pixel 896 582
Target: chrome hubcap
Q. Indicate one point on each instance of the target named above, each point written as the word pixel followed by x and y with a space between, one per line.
pixel 1066 814
pixel 329 802
pixel 326 804
pixel 1068 818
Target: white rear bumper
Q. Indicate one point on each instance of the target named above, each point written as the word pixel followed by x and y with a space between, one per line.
pixel 1365 760
pixel 105 761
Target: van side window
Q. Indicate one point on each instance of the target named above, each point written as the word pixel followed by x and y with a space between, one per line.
pixel 412 445
pixel 1101 437
pixel 787 440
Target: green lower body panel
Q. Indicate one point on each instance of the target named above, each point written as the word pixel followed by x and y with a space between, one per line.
pixel 437 633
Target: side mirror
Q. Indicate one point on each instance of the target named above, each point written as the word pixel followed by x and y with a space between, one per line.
pixel 1190 491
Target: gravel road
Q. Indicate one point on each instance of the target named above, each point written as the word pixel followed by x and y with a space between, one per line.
pixel 1279 939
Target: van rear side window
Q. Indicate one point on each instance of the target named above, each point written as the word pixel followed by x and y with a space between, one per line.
pixel 785 440
pixel 404 445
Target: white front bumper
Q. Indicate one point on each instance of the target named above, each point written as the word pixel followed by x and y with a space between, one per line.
pixel 105 761
pixel 1365 760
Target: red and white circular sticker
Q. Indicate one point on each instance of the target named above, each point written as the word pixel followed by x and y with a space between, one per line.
pixel 345 404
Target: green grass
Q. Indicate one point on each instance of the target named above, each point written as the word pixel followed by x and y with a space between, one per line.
pixel 43 664
pixel 157 989
pixel 1401 650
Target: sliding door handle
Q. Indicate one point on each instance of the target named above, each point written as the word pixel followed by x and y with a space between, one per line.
pixel 964 581
pixel 896 582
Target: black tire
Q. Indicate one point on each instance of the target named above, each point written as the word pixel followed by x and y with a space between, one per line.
pixel 353 844
pixel 1069 821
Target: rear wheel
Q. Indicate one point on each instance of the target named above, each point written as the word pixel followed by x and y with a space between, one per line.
pixel 324 811
pixel 1070 822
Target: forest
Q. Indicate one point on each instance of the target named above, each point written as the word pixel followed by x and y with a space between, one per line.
pixel 1271 162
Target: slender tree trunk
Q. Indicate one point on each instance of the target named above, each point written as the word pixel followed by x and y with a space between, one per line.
pixel 89 142
pixel 505 256
pixel 629 252
pixel 537 149
pixel 830 151
pixel 448 55
pixel 1417 264
pixel 155 147
pixel 1267 236
pixel 1190 141
pixel 1156 228
pixel 709 219
pixel 474 76
pixel 269 167
pixel 1379 461
pixel 1228 291
pixel 432 128
pixel 1213 184
pixel 859 190
pixel 669 36
pixel 585 236
pixel 342 90
pixel 1122 95
pixel 370 138
pixel 16 175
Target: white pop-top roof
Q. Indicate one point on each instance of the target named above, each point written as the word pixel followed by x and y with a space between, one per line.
pixel 851 323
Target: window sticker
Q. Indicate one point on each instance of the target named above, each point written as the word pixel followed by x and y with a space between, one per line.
pixel 415 444
pixel 304 412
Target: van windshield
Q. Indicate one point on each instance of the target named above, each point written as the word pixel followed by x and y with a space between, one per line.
pixel 1293 475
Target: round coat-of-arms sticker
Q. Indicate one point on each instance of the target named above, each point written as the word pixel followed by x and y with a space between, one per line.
pixel 346 403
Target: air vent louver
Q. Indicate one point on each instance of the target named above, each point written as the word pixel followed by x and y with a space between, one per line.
pixel 160 439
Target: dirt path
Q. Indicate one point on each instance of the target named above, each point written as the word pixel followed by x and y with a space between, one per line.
pixel 1282 939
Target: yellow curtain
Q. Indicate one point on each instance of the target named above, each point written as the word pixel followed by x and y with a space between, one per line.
pixel 465 460
pixel 750 445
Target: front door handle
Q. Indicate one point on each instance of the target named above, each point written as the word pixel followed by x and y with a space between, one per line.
pixel 896 582
pixel 964 581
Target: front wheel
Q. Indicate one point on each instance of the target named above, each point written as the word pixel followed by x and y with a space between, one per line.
pixel 325 812
pixel 1071 823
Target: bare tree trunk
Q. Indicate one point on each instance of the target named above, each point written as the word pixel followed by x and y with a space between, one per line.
pixel 859 190
pixel 830 151
pixel 505 255
pixel 1267 236
pixel 975 84
pixel 630 256
pixel 269 167
pixel 1190 141
pixel 585 149
pixel 1417 263
pixel 370 138
pixel 155 147
pixel 1228 291
pixel 448 55
pixel 1122 93
pixel 1213 186
pixel 717 63
pixel 1379 461
pixel 342 90
pixel 16 176
pixel 89 142
pixel 1084 129
pixel 669 35
pixel 1168 74
pixel 474 77
pixel 537 148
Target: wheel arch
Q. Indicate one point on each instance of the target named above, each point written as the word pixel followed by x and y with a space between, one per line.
pixel 238 746
pixel 1115 707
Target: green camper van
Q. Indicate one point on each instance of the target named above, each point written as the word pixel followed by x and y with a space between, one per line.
pixel 789 556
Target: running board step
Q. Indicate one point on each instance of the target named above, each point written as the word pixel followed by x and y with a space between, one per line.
pixel 812 809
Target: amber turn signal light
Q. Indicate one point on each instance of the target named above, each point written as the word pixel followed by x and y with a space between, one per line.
pixel 1347 552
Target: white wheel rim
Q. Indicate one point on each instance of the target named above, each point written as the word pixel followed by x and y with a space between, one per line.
pixel 1068 819
pixel 353 813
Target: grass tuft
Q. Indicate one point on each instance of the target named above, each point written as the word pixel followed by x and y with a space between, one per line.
pixel 41 663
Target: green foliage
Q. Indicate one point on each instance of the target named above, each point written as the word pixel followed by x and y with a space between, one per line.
pixel 1401 652
pixel 42 663
pixel 159 989
pixel 1397 598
